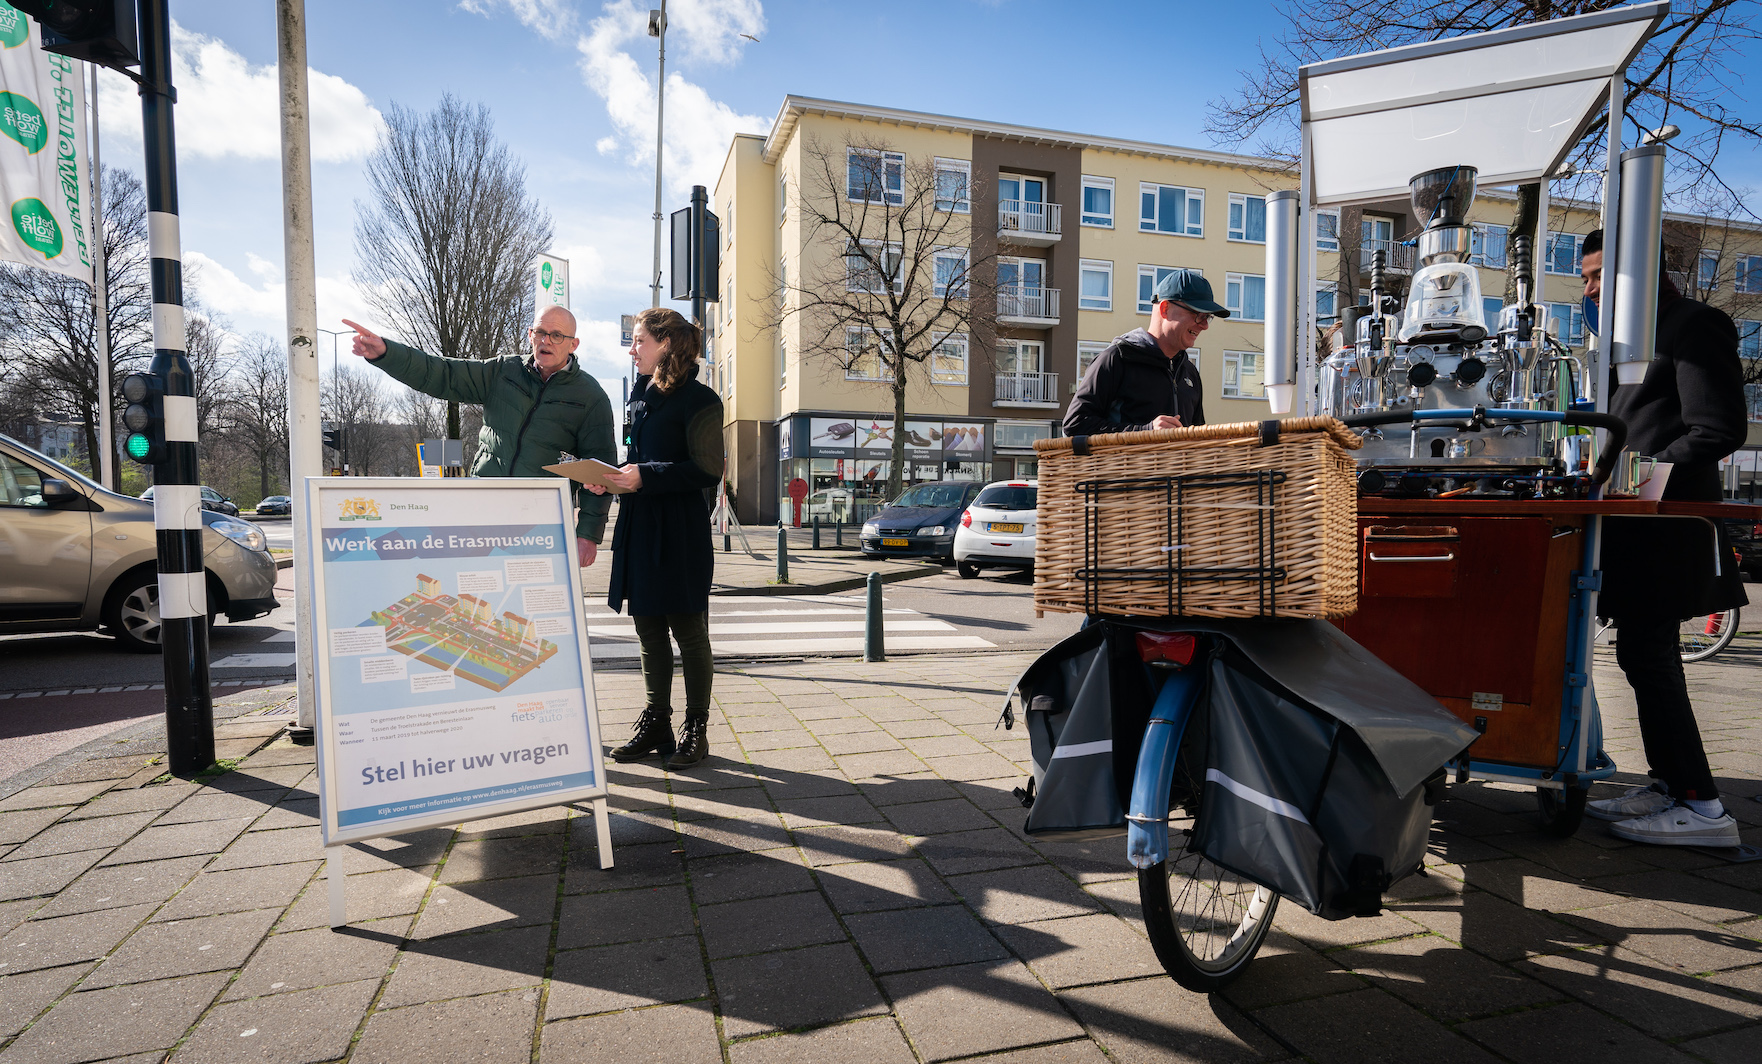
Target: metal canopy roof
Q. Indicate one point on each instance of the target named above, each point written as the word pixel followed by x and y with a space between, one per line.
pixel 1510 102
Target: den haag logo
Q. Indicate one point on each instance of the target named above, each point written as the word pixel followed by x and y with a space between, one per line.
pixel 359 508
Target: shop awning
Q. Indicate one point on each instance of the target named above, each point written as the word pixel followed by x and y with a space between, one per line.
pixel 1510 102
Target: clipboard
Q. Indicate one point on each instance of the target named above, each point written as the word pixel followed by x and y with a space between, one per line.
pixel 589 471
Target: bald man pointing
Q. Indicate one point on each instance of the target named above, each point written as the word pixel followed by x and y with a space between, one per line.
pixel 535 410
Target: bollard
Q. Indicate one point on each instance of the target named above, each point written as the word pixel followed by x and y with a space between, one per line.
pixel 782 555
pixel 874 646
pixel 816 531
pixel 727 545
pixel 838 532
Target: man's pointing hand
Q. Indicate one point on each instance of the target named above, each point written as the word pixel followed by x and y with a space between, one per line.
pixel 367 343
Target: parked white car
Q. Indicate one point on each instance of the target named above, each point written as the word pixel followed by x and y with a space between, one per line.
pixel 997 530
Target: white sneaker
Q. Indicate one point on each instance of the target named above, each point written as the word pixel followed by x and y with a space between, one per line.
pixel 1633 802
pixel 1679 826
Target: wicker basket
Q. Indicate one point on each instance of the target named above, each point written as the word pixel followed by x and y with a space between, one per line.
pixel 1214 521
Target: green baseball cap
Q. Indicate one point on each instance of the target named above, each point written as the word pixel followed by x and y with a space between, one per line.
pixel 1189 287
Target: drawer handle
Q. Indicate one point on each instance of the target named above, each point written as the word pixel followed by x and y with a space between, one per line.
pixel 1414 557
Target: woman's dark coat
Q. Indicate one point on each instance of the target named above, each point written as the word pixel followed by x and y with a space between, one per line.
pixel 661 557
pixel 1689 411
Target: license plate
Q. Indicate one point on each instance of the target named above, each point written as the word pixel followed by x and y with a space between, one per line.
pixel 896 543
pixel 1006 526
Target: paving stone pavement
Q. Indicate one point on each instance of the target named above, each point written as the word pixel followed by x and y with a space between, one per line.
pixel 846 879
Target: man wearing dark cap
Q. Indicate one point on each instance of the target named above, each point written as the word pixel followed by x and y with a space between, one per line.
pixel 1144 379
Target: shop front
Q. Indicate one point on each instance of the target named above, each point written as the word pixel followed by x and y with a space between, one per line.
pixel 846 459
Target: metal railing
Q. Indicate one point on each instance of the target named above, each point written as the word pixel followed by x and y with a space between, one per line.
pixel 1400 256
pixel 1027 216
pixel 1026 388
pixel 1027 303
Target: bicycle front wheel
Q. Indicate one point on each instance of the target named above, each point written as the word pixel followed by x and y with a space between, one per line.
pixel 1703 637
pixel 1205 923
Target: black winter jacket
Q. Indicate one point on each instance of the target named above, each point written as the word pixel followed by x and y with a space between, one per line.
pixel 1132 382
pixel 661 557
pixel 1689 411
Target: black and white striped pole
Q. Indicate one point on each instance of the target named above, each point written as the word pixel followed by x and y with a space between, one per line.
pixel 177 492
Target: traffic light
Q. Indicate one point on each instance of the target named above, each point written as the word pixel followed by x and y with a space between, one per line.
pixel 144 417
pixel 101 31
pixel 333 438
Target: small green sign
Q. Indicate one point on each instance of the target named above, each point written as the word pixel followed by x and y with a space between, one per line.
pixel 23 121
pixel 36 226
pixel 14 31
pixel 544 275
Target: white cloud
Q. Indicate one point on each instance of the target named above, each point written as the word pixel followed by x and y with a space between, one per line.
pixel 698 128
pixel 551 18
pixel 227 107
pixel 260 301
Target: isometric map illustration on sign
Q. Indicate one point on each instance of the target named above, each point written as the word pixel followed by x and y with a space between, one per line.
pixel 462 634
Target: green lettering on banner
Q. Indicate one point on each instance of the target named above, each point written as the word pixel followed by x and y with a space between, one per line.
pixel 36 226
pixel 544 275
pixel 14 31
pixel 23 121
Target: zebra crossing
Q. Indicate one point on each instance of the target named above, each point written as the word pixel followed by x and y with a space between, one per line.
pixel 740 628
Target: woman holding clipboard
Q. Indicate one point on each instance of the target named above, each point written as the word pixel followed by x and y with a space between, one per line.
pixel 661 557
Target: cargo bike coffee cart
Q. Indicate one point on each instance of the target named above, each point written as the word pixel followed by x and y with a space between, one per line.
pixel 1300 629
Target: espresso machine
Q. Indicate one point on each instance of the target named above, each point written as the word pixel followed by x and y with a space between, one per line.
pixel 1435 351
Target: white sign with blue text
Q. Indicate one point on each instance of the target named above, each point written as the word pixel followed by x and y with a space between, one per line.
pixel 453 674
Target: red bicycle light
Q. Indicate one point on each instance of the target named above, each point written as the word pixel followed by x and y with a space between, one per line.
pixel 967 519
pixel 1176 648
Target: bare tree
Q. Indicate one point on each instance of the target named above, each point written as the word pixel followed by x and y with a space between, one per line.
pixel 889 274
pixel 258 411
pixel 444 248
pixel 358 408
pixel 50 328
pixel 1683 73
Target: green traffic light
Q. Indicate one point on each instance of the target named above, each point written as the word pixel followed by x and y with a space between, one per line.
pixel 138 446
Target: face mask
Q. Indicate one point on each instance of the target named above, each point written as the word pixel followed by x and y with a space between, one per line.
pixel 1590 308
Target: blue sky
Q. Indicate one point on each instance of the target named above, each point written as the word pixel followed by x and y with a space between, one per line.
pixel 570 83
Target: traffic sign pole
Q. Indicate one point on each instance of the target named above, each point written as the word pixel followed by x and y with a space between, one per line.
pixel 177 492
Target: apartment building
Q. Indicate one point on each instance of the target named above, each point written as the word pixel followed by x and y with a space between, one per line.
pixel 1068 234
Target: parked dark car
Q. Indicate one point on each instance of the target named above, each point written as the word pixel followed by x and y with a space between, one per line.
pixel 275 506
pixel 921 521
pixel 1746 536
pixel 211 500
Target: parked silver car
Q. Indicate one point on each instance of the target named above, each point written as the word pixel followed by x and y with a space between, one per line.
pixel 75 556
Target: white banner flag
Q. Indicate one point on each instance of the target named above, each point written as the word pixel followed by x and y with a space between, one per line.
pixel 43 153
pixel 552 280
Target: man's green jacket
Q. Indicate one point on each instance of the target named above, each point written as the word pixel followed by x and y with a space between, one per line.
pixel 528 422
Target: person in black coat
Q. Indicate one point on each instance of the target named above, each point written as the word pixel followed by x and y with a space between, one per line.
pixel 661 557
pixel 1688 410
pixel 1144 379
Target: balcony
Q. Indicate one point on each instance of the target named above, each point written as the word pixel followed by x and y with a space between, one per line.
pixel 1033 390
pixel 1029 308
pixel 1026 223
pixel 1399 257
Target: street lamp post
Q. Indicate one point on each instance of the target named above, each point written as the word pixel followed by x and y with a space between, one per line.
pixel 658 30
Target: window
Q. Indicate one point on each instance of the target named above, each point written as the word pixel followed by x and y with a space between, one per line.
pixel 948 360
pixel 1326 305
pixel 1491 307
pixel 863 357
pixel 1245 295
pixel 728 225
pixel 951 274
pixel 1565 252
pixel 1018 357
pixel 1327 230
pixel 782 194
pixel 1750 339
pixel 1171 209
pixel 1087 352
pixel 954 177
pixel 1098 201
pixel 1567 322
pixel 782 363
pixel 1749 274
pixel 1247 218
pixel 1095 286
pixel 1242 375
pixel 20 484
pixel 870 268
pixel 1486 245
pixel 1148 276
pixel 1707 271
pixel 875 176
pixel 1753 400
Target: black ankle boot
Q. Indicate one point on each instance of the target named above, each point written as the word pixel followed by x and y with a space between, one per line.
pixel 694 743
pixel 654 735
